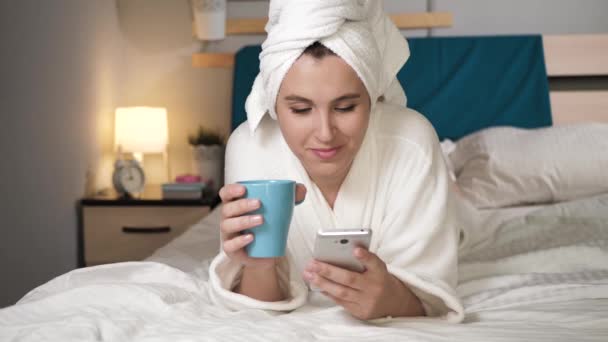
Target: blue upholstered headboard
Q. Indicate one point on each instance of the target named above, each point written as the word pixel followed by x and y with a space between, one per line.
pixel 460 84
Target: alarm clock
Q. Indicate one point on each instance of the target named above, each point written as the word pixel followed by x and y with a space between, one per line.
pixel 128 177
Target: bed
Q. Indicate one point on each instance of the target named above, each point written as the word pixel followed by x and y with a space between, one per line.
pixel 528 271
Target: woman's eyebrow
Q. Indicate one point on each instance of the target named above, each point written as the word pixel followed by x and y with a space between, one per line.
pixel 296 98
pixel 347 97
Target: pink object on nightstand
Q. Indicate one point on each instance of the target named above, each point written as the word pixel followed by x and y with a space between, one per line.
pixel 188 179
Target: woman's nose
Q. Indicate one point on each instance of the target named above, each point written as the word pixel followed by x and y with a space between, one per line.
pixel 325 129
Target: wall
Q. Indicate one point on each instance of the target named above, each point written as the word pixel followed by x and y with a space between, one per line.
pixel 158 50
pixel 474 17
pixel 61 72
pixel 160 44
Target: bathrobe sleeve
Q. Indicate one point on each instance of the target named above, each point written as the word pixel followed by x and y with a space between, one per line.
pixel 245 160
pixel 418 236
pixel 225 274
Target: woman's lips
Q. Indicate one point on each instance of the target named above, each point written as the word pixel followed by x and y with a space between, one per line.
pixel 326 153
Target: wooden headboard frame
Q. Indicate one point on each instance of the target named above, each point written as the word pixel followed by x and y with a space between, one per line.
pixel 577 56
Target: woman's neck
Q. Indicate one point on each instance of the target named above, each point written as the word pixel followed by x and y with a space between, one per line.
pixel 330 194
pixel 330 186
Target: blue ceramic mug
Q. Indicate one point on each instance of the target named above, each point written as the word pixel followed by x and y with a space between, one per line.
pixel 277 202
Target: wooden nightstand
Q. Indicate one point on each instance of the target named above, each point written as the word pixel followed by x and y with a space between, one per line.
pixel 115 229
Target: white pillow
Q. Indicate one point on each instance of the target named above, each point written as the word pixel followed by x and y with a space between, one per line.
pixel 447 147
pixel 504 166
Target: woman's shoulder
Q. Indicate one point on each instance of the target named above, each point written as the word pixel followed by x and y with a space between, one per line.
pixel 240 135
pixel 263 137
pixel 253 155
pixel 399 125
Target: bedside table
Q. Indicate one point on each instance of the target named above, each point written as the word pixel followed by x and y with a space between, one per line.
pixel 113 229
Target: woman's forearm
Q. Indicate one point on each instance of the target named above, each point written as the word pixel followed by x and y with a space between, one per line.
pixel 260 284
pixel 409 305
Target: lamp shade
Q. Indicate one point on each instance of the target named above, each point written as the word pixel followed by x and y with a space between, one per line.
pixel 141 129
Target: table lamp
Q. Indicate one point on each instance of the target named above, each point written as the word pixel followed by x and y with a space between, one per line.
pixel 140 130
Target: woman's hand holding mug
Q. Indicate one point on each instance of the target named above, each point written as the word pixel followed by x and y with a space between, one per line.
pixel 236 218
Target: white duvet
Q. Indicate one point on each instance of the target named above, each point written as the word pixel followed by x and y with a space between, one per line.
pixel 538 277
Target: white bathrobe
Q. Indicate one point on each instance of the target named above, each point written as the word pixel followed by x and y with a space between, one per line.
pixel 397 186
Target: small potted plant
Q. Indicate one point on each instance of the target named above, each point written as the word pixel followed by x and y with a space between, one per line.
pixel 208 151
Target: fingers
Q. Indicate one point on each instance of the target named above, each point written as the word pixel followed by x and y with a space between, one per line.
pixel 354 308
pixel 336 274
pixel 300 193
pixel 341 292
pixel 237 243
pixel 343 303
pixel 370 260
pixel 240 207
pixel 231 192
pixel 237 224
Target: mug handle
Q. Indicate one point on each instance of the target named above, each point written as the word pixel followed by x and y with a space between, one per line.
pixel 299 202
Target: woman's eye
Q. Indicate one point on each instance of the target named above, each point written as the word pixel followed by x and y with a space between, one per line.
pixel 300 110
pixel 345 109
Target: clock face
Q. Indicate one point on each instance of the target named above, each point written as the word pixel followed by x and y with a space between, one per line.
pixel 132 179
pixel 129 177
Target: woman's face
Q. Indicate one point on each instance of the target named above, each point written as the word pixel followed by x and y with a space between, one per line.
pixel 323 110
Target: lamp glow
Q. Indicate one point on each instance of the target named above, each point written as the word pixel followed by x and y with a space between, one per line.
pixel 141 129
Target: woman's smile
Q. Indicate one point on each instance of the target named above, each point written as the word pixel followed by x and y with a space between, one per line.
pixel 326 153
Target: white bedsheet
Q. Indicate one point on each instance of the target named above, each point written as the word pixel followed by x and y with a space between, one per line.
pixel 542 276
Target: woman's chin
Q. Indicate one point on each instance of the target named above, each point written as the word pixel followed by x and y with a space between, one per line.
pixel 326 171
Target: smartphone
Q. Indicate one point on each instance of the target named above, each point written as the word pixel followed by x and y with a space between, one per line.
pixel 336 247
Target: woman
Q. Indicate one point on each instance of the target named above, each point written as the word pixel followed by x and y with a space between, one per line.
pixel 327 111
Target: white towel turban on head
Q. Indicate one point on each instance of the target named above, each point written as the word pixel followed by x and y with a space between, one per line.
pixel 356 30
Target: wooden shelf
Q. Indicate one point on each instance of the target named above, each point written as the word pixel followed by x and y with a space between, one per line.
pixel 243 26
pixel 251 26
pixel 410 21
pixel 213 60
pixel 406 21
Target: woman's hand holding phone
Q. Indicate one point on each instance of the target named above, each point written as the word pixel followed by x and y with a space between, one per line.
pixel 235 219
pixel 371 294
